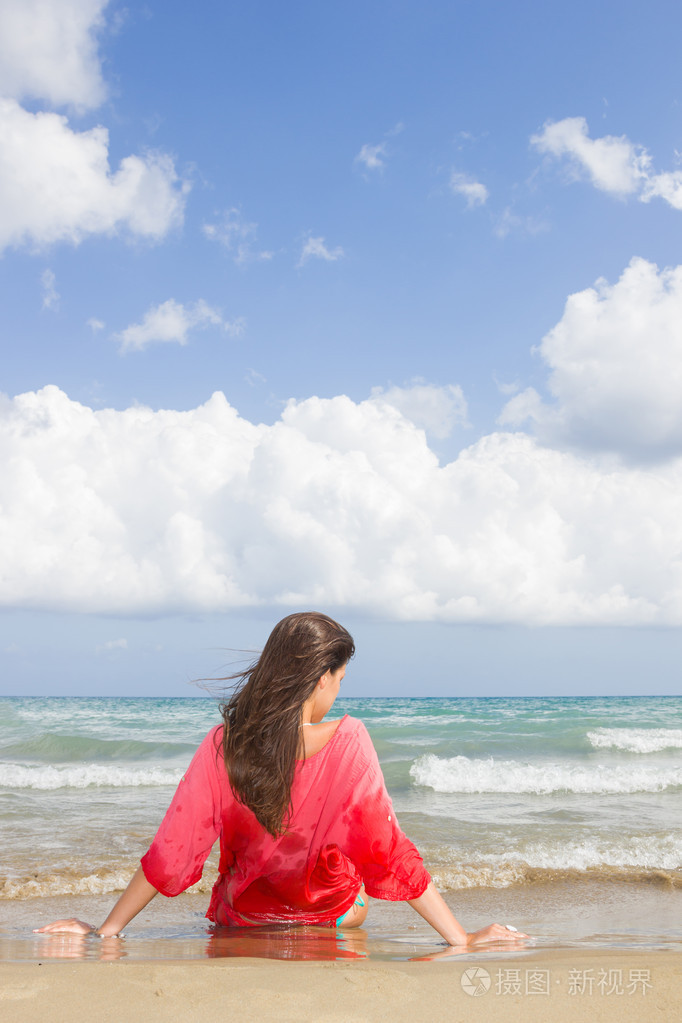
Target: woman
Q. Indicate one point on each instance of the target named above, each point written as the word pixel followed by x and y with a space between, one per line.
pixel 306 826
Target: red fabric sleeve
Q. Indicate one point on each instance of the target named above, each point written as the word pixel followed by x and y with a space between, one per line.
pixel 388 861
pixel 176 857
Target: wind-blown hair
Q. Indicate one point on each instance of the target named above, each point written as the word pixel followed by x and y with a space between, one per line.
pixel 262 737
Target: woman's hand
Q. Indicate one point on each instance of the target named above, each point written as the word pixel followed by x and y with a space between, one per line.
pixel 495 932
pixel 432 907
pixel 137 895
pixel 71 926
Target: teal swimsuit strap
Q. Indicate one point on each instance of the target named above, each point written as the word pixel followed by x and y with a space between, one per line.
pixel 358 902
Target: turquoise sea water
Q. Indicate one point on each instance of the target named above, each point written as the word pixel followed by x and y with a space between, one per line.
pixel 519 803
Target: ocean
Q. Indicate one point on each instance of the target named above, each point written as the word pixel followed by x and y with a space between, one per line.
pixel 559 815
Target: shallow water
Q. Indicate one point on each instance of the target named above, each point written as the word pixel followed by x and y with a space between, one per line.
pixel 584 914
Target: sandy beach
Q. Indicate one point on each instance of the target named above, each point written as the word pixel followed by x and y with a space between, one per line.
pixel 562 986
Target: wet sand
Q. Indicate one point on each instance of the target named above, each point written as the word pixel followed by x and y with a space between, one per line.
pixel 562 986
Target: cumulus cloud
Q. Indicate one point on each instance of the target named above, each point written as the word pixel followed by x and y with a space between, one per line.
pixel 172 321
pixel 315 248
pixel 337 504
pixel 436 409
pixel 48 50
pixel 237 235
pixel 48 283
pixel 666 186
pixel 615 362
pixel 475 193
pixel 56 184
pixel 613 163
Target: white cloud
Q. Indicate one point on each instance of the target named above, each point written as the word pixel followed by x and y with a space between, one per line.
pixel 615 361
pixel 436 409
pixel 467 139
pixel 48 50
pixel 508 386
pixel 509 221
pixel 337 504
pixel 315 248
pixel 172 321
pixel 475 193
pixel 56 184
pixel 254 378
pixel 237 235
pixel 667 186
pixel 95 325
pixel 372 157
pixel 613 163
pixel 112 645
pixel 48 283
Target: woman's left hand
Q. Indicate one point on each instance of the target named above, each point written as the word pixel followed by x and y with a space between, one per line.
pixel 495 932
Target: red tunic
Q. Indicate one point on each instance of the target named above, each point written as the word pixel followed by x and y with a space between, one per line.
pixel 343 833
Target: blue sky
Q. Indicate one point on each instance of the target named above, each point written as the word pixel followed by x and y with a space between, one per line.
pixel 428 256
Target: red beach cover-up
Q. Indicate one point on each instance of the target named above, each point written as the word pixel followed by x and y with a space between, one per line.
pixel 342 833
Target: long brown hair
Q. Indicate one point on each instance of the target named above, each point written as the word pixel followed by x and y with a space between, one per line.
pixel 262 734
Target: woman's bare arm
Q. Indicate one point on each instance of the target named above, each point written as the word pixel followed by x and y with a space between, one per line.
pixel 137 895
pixel 433 908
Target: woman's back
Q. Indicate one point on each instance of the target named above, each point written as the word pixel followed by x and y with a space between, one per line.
pixel 342 832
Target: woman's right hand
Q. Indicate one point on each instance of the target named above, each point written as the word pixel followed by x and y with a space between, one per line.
pixel 71 926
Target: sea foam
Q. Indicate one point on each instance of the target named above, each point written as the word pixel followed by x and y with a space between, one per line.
pixel 636 740
pixel 67 882
pixel 462 774
pixel 82 776
pixel 641 857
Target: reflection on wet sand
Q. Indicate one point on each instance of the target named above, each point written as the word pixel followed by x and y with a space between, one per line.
pixel 80 946
pixel 317 944
pixel 300 943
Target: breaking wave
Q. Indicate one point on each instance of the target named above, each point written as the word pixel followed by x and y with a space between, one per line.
pixel 83 776
pixel 636 740
pixel 653 858
pixel 465 775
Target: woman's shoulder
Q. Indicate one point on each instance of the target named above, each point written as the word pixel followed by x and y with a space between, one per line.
pixel 344 738
pixel 211 745
pixel 354 732
pixel 352 750
pixel 354 725
pixel 214 736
